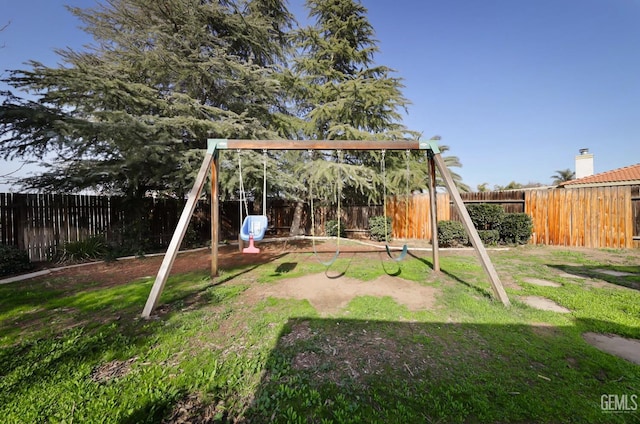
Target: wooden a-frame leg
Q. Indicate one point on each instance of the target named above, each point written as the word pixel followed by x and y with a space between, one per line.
pixel 176 239
pixel 215 214
pixel 496 284
pixel 433 214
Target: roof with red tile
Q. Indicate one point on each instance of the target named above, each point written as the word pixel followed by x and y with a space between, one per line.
pixel 621 176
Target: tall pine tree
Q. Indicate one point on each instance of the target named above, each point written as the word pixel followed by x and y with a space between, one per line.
pixel 344 94
pixel 161 77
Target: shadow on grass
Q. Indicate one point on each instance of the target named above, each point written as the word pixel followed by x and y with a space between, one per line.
pixel 599 272
pixel 260 260
pixel 389 271
pixel 482 292
pixel 377 371
pixel 285 267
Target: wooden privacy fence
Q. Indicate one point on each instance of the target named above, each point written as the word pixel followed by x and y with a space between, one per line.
pixel 595 217
pixel 416 222
pixel 588 217
pixel 41 223
pixel 411 216
pixel 38 223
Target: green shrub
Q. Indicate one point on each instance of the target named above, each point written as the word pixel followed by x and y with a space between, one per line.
pixel 516 228
pixel 13 260
pixel 489 237
pixel 451 234
pixel 331 228
pixel 486 216
pixel 377 227
pixel 90 248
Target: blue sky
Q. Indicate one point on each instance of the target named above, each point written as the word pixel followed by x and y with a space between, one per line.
pixel 514 87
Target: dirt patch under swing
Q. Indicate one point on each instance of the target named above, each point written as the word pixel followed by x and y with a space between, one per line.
pixel 329 295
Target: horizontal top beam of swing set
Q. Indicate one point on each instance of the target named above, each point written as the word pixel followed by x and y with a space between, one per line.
pixel 221 144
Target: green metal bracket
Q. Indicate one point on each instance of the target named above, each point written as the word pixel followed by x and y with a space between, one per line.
pixel 214 144
pixel 430 145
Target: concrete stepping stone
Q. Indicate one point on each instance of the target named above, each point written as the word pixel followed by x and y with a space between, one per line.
pixel 543 283
pixel 568 275
pixel 614 273
pixel 628 349
pixel 544 304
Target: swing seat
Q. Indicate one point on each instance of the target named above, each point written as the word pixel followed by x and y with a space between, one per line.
pixel 254 225
pixel 403 253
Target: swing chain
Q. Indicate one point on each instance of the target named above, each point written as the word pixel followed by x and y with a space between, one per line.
pixel 264 182
pixel 243 195
pixel 311 203
pixel 340 160
pixel 407 194
pixel 383 167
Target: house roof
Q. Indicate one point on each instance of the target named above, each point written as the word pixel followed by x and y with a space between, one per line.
pixel 621 176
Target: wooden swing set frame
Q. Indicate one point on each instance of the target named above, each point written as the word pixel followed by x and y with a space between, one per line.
pixel 211 162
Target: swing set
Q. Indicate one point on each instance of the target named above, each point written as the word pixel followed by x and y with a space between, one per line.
pixel 254 226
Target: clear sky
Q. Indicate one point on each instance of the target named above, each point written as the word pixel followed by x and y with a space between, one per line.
pixel 515 88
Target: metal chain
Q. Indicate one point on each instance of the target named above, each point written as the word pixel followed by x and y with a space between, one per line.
pixel 243 196
pixel 383 168
pixel 264 181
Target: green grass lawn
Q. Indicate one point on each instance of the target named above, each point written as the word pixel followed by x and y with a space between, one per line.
pixel 79 353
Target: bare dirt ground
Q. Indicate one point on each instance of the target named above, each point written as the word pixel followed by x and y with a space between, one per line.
pixel 329 295
pixel 124 270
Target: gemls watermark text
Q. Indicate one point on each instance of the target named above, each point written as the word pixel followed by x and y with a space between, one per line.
pixel 614 403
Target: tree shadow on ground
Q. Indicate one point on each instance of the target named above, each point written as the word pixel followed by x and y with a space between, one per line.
pixel 350 370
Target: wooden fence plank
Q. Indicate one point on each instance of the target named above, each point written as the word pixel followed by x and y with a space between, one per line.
pixel 628 219
pixel 579 218
pixel 543 216
pixel 613 214
pixel 601 220
pixel 621 216
pixel 550 219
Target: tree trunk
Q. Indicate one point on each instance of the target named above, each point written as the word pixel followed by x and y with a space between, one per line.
pixel 296 229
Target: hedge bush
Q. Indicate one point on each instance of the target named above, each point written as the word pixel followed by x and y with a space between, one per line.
pixel 376 228
pixel 451 234
pixel 486 216
pixel 489 237
pixel 13 260
pixel 331 228
pixel 516 228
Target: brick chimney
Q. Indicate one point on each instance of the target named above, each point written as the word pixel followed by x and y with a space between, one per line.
pixel 584 164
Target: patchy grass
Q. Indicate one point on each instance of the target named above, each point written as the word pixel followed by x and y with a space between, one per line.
pixel 77 351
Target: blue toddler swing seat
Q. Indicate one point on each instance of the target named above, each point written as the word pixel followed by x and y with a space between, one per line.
pixel 253 229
